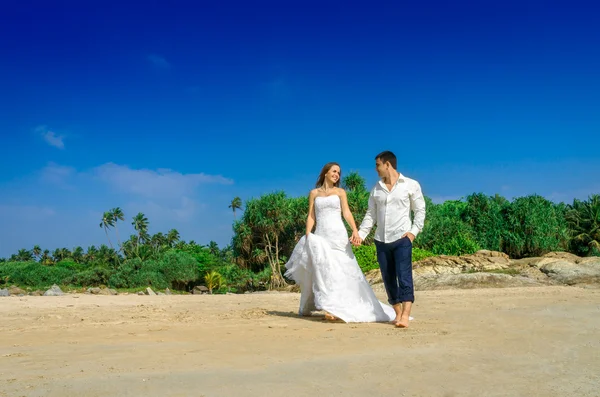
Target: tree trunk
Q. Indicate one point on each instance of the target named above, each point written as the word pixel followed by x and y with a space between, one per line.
pixel 272 251
pixel 109 242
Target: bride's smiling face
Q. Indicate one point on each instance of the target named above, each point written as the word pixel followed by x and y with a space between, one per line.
pixel 333 175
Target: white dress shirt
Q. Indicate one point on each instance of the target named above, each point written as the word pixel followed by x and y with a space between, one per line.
pixel 390 210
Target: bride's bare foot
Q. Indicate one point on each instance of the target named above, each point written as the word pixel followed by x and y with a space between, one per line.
pixel 401 322
pixel 330 317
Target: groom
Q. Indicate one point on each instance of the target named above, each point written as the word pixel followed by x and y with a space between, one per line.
pixel 390 203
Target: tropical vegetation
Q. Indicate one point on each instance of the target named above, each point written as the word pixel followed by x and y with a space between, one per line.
pixel 267 230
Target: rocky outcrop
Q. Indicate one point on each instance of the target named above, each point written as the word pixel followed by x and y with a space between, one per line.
pixel 494 269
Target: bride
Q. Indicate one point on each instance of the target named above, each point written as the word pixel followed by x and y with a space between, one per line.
pixel 323 264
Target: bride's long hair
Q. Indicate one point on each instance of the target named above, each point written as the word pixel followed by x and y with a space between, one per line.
pixel 324 170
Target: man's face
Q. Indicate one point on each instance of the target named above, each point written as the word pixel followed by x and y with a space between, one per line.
pixel 382 168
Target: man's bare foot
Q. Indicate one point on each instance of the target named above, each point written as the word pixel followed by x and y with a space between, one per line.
pixel 401 322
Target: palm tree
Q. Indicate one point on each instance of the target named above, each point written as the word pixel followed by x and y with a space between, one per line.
pixel 583 218
pixel 37 251
pixel 65 253
pixel 91 253
pixel 57 255
pixel 77 254
pixel 172 237
pixel 117 215
pixel 213 247
pixel 24 255
pixel 107 221
pixel 213 280
pixel 158 241
pixel 140 224
pixel 236 204
pixel 46 258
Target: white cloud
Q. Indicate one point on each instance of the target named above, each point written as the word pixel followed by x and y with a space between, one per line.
pixel 158 61
pixel 51 137
pixel 57 174
pixel 36 212
pixel 162 183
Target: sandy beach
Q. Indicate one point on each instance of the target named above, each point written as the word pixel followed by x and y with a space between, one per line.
pixel 486 342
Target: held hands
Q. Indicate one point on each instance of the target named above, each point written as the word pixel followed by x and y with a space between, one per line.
pixel 355 239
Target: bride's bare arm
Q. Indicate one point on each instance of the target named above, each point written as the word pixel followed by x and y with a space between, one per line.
pixel 347 213
pixel 310 219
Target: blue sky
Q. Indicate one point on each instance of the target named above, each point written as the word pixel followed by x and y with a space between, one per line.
pixel 174 108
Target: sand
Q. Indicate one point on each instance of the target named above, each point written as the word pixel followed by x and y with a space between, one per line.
pixel 487 342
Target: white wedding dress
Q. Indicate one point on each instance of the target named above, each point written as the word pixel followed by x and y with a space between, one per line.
pixel 324 267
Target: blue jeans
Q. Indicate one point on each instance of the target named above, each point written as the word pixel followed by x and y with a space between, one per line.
pixel 395 262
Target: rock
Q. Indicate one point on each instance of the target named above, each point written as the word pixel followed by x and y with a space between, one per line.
pixel 168 292
pixel 14 290
pixel 141 293
pixel 491 254
pixel 472 280
pixel 36 293
pixel 4 292
pixel 566 256
pixel 200 289
pixel 149 291
pixel 54 291
pixel 94 291
pixel 113 291
pixel 445 264
pixel 585 272
pixel 160 293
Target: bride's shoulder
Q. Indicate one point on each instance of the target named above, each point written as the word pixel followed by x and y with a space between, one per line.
pixel 340 191
pixel 313 193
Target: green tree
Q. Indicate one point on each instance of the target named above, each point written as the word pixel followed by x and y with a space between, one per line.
pixel 583 219
pixel 106 223
pixel 37 251
pixel 24 255
pixel 258 235
pixel 534 227
pixel 117 215
pixel 485 217
pixel 77 254
pixel 213 280
pixel 236 204
pixel 140 224
pixel 172 237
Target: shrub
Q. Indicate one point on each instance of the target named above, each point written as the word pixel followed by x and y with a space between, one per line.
pixel 34 274
pixel 366 256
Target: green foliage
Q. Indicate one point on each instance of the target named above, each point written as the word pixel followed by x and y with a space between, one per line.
pixel 445 232
pixel 33 274
pixel 534 227
pixel 174 269
pixel 460 244
pixel 583 220
pixel 178 268
pixel 366 256
pixel 90 277
pixel 418 254
pixel 485 217
pixel 213 280
pixel 272 224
